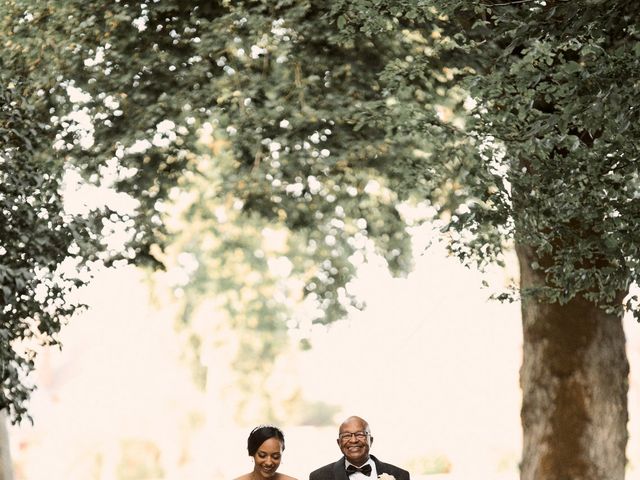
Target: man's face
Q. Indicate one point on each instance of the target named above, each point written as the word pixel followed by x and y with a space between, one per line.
pixel 354 440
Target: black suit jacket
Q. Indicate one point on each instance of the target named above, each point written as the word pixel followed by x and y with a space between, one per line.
pixel 336 471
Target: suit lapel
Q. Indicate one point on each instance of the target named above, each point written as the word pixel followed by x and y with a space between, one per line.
pixel 339 472
pixel 379 466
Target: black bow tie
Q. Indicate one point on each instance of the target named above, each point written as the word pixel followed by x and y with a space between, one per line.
pixel 366 469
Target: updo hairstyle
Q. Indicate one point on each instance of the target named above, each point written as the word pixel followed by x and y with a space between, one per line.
pixel 261 433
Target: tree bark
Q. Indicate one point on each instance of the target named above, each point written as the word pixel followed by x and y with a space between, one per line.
pixel 6 469
pixel 574 379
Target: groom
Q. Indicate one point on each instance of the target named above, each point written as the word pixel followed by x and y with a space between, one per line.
pixel 354 440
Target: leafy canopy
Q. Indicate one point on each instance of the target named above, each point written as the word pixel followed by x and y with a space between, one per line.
pixel 511 120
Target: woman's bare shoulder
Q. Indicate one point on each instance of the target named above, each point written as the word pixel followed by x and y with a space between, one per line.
pixel 246 476
pixel 283 476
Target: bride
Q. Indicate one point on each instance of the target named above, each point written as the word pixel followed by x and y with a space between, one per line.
pixel 265 444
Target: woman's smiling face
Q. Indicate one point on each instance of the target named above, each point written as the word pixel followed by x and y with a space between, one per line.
pixel 267 458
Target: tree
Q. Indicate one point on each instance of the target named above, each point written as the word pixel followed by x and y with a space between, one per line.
pixel 46 250
pixel 40 244
pixel 237 280
pixel 6 472
pixel 512 120
pixel 35 238
pixel 550 97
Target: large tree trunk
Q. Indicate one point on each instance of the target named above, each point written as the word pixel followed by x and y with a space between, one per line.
pixel 574 379
pixel 6 470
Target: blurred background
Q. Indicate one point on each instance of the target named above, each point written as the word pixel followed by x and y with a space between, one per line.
pixel 430 363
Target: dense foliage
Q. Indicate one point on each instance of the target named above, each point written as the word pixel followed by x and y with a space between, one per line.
pixel 555 89
pixel 512 120
pixel 35 238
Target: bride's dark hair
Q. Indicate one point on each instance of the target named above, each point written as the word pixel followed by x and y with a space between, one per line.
pixel 261 433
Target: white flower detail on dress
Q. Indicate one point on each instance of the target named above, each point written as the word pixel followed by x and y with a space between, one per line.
pixel 386 476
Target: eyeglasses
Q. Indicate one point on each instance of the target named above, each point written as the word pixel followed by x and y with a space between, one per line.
pixel 347 436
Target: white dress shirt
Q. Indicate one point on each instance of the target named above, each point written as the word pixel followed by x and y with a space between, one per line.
pixel 360 475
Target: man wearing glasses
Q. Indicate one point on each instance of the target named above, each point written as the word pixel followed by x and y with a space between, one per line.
pixel 354 440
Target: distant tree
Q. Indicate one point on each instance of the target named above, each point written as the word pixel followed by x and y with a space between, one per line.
pixel 237 281
pixel 514 121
